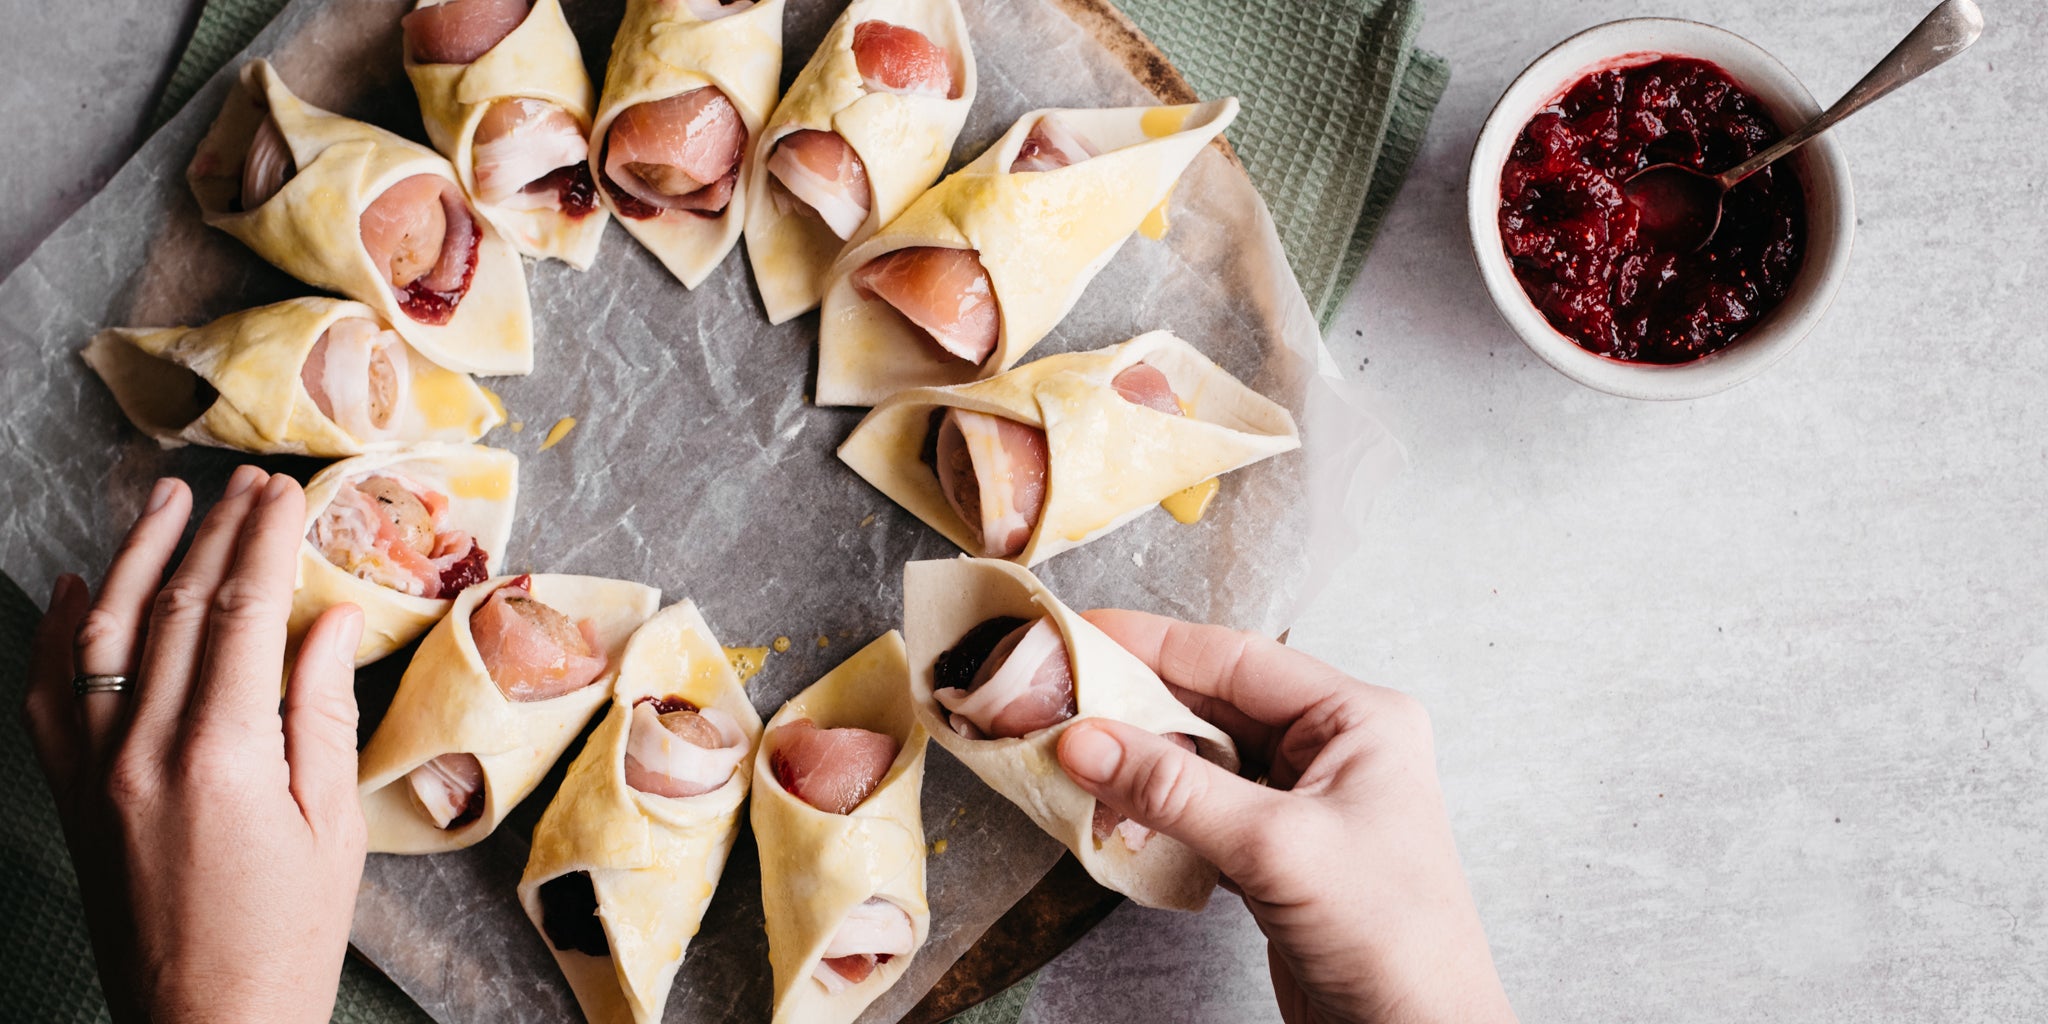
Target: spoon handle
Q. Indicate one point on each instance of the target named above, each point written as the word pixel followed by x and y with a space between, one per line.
pixel 1946 31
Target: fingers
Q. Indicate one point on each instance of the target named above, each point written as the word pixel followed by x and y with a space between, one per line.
pixel 177 623
pixel 1272 684
pixel 245 627
pixel 109 640
pixel 320 719
pixel 1158 784
pixel 49 707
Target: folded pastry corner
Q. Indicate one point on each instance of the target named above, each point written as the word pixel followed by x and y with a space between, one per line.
pixel 999 667
pixel 350 207
pixel 867 126
pixel 506 99
pixel 308 376
pixel 1053 454
pixel 493 696
pixel 985 264
pixel 688 84
pixel 628 854
pixel 837 783
pixel 398 535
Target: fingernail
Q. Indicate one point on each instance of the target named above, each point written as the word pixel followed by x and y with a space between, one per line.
pixel 243 479
pixel 279 486
pixel 66 585
pixel 160 495
pixel 347 633
pixel 1091 753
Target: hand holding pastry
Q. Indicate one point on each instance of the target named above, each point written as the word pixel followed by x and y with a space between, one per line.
pixel 1346 859
pixel 217 837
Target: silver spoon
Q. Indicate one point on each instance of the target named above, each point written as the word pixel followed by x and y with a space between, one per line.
pixel 1681 207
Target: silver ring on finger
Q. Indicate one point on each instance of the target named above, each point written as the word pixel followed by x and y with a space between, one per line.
pixel 83 684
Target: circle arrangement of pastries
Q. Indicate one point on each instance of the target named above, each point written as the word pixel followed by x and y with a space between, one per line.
pixel 933 290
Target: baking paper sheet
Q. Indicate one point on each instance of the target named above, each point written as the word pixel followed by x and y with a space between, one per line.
pixel 695 465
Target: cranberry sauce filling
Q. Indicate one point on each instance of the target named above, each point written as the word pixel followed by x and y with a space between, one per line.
pixel 465 572
pixel 955 669
pixel 430 306
pixel 568 914
pixel 667 705
pixel 575 193
pixel 1573 237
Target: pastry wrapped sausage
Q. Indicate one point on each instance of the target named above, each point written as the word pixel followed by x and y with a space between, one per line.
pixel 311 376
pixel 493 696
pixel 689 83
pixel 626 857
pixel 350 207
pixel 505 98
pixel 999 667
pixel 1064 449
pixel 837 783
pixel 399 534
pixel 867 126
pixel 981 267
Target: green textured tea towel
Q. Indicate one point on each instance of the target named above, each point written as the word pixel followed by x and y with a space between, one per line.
pixel 1336 100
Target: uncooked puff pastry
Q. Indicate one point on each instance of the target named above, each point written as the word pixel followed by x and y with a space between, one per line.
pixel 312 230
pixel 447 703
pixel 1041 236
pixel 817 867
pixel 653 861
pixel 539 60
pixel 481 485
pixel 946 598
pixel 252 360
pixel 903 142
pixel 1109 460
pixel 664 50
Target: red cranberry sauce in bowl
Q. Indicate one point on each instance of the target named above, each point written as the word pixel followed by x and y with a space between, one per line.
pixel 1572 239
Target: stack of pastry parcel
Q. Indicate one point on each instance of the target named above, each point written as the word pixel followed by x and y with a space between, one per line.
pixel 933 291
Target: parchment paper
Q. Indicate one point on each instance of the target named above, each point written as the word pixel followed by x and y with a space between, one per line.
pixel 696 465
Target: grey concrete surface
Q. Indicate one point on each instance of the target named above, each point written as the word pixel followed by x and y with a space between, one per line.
pixel 1739 702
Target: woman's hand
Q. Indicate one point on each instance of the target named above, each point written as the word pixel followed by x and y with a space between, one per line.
pixel 218 842
pixel 1346 861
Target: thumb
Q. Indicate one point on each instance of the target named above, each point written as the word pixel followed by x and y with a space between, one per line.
pixel 320 720
pixel 1171 790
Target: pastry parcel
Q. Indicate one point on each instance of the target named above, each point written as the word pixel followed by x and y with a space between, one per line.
pixel 999 667
pixel 1062 450
pixel 981 267
pixel 311 376
pixel 493 696
pixel 350 207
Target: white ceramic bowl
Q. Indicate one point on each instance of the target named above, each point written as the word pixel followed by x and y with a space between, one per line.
pixel 1823 172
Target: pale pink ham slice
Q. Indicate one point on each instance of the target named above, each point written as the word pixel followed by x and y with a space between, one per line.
pixel 681 751
pixel 833 770
pixel 900 60
pixel 873 933
pixel 449 789
pixel 460 31
pixel 712 10
pixel 357 376
pixel 532 651
pixel 1143 384
pixel 519 142
pixel 824 174
pixel 992 470
pixel 1108 822
pixel 267 166
pixel 944 293
pixel 679 153
pixel 1027 684
pixel 419 232
pixel 1052 144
